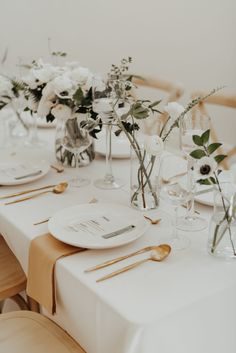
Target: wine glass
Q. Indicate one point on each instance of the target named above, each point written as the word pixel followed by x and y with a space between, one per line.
pixel 107 96
pixel 174 194
pixel 194 124
pixel 75 140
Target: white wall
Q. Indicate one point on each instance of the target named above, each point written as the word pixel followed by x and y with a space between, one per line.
pixel 188 41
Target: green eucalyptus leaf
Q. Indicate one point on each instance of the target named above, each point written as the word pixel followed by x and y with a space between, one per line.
pixel 204 182
pixel 213 181
pixel 197 154
pixel 78 96
pixel 197 140
pixel 220 158
pixel 213 147
pixel 205 136
pixel 154 104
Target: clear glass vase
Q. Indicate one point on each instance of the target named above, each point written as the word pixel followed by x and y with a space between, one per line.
pixel 76 136
pixel 222 232
pixel 144 179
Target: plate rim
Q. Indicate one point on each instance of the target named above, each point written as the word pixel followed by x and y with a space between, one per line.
pixel 46 168
pixel 145 225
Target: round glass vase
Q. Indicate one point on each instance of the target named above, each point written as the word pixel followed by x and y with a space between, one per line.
pixel 222 231
pixel 66 156
pixel 144 179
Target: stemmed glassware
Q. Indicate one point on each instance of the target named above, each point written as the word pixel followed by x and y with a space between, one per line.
pixel 107 97
pixel 173 193
pixel 194 124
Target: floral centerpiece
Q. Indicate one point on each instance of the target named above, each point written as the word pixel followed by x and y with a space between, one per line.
pixel 63 93
pixel 147 150
pixel 222 240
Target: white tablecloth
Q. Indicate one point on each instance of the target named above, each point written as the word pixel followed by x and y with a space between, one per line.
pixel 186 304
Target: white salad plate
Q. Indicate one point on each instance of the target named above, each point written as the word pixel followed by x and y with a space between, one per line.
pixel 120 146
pixel 97 226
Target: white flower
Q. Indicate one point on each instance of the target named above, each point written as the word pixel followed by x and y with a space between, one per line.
pixel 61 111
pixel 174 109
pixel 5 86
pixel 48 93
pixel 63 84
pixel 205 167
pixel 80 75
pixel 44 107
pixel 45 74
pixel 154 145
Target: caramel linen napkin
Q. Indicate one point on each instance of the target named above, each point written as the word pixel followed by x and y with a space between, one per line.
pixel 44 251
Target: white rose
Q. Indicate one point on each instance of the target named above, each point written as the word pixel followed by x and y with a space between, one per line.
pixel 31 80
pixel 45 74
pixel 205 167
pixel 154 145
pixel 62 84
pixel 61 111
pixel 174 109
pixel 44 107
pixel 5 86
pixel 80 75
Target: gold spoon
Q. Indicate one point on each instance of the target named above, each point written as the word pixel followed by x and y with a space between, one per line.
pixel 153 221
pixel 159 254
pixel 58 189
pixel 113 261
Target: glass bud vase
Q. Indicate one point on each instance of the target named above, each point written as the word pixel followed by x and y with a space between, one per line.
pixel 144 179
pixel 222 232
pixel 75 136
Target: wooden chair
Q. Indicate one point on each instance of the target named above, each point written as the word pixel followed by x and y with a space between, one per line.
pixel 12 277
pixel 29 332
pixel 218 100
pixel 173 93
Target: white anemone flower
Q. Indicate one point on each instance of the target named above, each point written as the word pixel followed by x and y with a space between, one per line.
pixel 174 109
pixel 63 86
pixel 205 167
pixel 154 145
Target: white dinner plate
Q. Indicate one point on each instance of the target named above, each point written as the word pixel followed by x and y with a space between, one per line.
pixel 89 225
pixel 20 172
pixel 120 145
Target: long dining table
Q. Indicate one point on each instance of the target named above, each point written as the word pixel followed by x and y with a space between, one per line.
pixel 185 304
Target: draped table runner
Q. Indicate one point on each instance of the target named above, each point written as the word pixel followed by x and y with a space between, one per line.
pixel 185 304
pixel 44 251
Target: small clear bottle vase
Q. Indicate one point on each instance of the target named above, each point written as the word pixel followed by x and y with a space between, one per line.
pixel 144 177
pixel 222 231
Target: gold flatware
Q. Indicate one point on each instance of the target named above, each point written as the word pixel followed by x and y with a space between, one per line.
pixel 58 189
pixel 41 222
pixel 153 221
pixel 57 167
pixel 124 257
pixel 26 192
pixel 93 200
pixel 159 254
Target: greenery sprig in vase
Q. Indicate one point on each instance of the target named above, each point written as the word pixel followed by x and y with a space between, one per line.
pixel 207 173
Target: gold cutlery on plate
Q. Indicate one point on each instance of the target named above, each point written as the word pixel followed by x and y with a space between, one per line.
pixel 58 189
pixel 41 222
pixel 124 257
pixel 153 221
pixel 93 200
pixel 159 254
pixel 58 168
pixel 26 192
